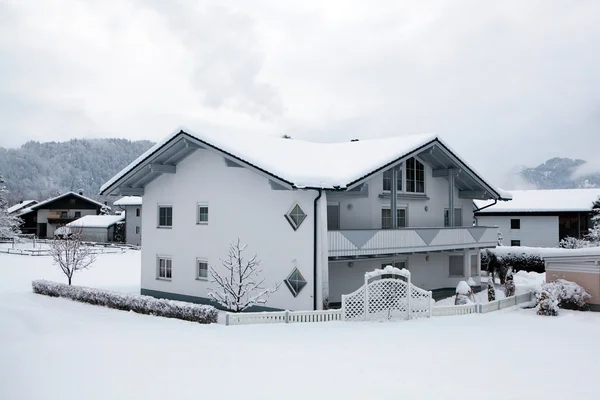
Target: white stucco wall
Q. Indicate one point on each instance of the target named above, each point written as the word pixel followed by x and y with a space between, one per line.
pixel 241 205
pixel 365 212
pixel 536 231
pixel 429 274
pixel 95 234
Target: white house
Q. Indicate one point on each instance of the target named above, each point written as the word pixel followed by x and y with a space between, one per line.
pixel 132 205
pixel 540 218
pixel 96 228
pixel 317 215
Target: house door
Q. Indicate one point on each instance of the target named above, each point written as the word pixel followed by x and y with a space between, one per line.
pixel 42 230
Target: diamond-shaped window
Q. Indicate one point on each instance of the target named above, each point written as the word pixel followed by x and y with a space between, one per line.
pixel 295 282
pixel 295 216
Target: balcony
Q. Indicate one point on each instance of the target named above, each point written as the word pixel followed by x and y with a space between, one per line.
pixel 62 218
pixel 352 243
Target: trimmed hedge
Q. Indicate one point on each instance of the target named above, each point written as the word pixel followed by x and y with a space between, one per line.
pixel 129 302
pixel 518 260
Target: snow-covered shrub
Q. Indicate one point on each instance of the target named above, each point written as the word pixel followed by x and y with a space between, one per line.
pixel 568 294
pixel 547 304
pixel 203 314
pixel 490 288
pixel 575 243
pixel 463 293
pixel 509 284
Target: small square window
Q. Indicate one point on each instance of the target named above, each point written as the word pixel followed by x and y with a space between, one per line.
pixel 296 216
pixel 164 268
pixel 515 224
pixel 165 216
pixel 386 218
pixel 295 282
pixel 137 230
pixel 202 214
pixel 457 217
pixel 515 242
pixel 63 214
pixel 71 201
pixel 202 270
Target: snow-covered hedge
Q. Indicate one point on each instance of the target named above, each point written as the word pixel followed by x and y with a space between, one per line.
pixel 498 260
pixel 568 294
pixel 129 302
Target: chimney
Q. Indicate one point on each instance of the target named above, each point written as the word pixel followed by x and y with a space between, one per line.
pixel 354 140
pixel 81 192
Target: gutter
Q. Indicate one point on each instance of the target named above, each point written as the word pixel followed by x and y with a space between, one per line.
pixel 483 208
pixel 315 255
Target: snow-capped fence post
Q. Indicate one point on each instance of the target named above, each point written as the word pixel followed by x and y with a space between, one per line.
pixel 409 296
pixel 287 316
pixel 366 297
pixel 430 308
pixel 227 319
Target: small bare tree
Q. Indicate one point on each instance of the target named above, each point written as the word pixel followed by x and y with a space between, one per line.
pixel 71 254
pixel 240 286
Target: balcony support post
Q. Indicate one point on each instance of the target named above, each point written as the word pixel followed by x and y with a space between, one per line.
pixel 394 197
pixel 451 221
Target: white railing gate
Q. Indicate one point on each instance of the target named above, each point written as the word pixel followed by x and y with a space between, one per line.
pixel 387 294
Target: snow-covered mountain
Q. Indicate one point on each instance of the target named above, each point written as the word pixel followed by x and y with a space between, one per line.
pixel 39 170
pixel 560 173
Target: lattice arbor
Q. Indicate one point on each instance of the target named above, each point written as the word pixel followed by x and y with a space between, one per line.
pixel 387 294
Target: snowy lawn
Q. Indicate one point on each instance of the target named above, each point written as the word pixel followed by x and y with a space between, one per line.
pixel 59 349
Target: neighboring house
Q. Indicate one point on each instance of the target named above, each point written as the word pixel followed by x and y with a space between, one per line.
pixel 96 228
pixel 581 266
pixel 540 218
pixel 318 216
pixel 21 206
pixel 132 205
pixel 43 218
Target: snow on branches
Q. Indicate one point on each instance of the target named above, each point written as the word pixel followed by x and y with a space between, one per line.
pixel 9 224
pixel 71 254
pixel 240 286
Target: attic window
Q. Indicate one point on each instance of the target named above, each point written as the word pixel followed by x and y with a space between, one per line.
pixel 295 282
pixel 295 216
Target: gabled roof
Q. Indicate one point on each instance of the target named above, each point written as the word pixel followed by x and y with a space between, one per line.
pixel 50 200
pixel 21 205
pixel 129 201
pixel 300 164
pixel 557 200
pixel 96 221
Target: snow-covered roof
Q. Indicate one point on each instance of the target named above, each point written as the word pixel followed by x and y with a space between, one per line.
pixel 129 201
pixel 96 221
pixel 544 201
pixel 21 205
pixel 303 164
pixel 43 203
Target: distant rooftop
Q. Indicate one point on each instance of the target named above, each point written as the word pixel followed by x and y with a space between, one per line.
pixel 565 200
pixel 129 201
pixel 21 205
pixel 96 221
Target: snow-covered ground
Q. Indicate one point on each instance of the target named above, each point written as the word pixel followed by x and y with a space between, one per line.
pixel 58 349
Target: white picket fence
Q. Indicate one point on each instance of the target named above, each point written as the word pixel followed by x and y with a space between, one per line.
pixel 442 311
pixel 484 308
pixel 285 317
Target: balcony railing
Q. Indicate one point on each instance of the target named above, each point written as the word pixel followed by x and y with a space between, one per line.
pixel 61 218
pixel 345 243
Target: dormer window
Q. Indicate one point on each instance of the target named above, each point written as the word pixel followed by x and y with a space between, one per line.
pixel 415 176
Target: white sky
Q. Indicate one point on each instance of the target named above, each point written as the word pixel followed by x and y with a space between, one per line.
pixel 505 83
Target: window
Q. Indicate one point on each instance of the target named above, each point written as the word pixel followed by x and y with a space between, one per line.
pixel 295 216
pixel 137 230
pixel 165 216
pixel 515 242
pixel 457 217
pixel 202 214
pixel 456 265
pixel 415 176
pixel 474 258
pixel 137 212
pixel 386 218
pixel 387 180
pixel 295 282
pixel 77 214
pixel 333 217
pixel 63 214
pixel 164 268
pixel 202 270
pixel 395 264
pixel 515 224
pixel 71 201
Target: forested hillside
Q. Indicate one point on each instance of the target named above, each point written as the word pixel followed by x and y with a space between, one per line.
pixel 40 170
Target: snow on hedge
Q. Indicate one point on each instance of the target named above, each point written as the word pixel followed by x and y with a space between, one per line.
pixel 203 314
pixel 568 294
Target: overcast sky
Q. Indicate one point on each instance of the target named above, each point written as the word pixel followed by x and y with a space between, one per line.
pixel 505 83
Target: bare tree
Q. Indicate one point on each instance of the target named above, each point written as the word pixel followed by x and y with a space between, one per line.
pixel 71 254
pixel 240 286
